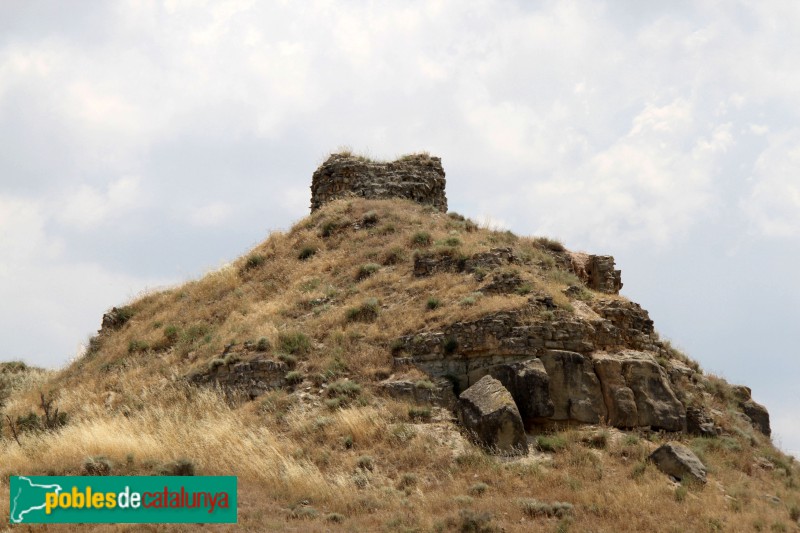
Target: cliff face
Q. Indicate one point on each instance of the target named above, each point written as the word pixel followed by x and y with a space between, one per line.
pixel 416 177
pixel 604 362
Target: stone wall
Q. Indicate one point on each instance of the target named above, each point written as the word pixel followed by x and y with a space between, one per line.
pixel 416 177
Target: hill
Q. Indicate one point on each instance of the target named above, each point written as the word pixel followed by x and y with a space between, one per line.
pixel 324 368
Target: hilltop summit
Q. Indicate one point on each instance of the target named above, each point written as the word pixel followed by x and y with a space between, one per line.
pixel 387 365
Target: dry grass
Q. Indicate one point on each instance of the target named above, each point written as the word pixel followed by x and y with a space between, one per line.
pixel 379 471
pixel 249 299
pixel 127 400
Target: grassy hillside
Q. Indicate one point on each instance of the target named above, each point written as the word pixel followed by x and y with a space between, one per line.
pixel 328 451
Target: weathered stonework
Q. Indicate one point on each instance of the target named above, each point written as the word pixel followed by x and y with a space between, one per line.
pixel 451 260
pixel 597 272
pixel 254 377
pixel 416 177
pixel 596 359
pixel 503 283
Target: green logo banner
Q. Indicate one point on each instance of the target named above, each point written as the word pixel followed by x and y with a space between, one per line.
pixel 122 499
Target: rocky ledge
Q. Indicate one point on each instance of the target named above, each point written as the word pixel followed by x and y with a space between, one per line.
pixel 603 363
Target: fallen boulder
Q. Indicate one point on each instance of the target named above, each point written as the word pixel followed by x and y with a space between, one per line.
pixel 529 385
pixel 678 461
pixel 487 410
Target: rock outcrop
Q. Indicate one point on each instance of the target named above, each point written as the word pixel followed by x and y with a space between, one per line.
pixel 488 412
pixel 678 461
pixel 574 387
pixel 757 413
pixel 437 391
pixel 115 319
pixel 597 272
pixel 637 392
pixel 699 422
pixel 450 260
pixel 603 365
pixel 503 283
pixel 254 377
pixel 416 177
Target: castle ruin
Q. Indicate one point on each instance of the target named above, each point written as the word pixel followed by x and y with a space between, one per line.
pixel 417 177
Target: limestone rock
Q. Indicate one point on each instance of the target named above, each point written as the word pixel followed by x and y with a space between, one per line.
pixel 254 377
pixel 619 398
pixel 488 412
pixel 574 387
pixel 436 391
pixel 451 260
pixel 637 391
pixel 597 272
pixel 758 414
pixel 698 422
pixel 675 459
pixel 529 385
pixel 503 283
pixel 115 319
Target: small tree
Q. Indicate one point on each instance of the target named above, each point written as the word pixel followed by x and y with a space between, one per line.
pixel 53 418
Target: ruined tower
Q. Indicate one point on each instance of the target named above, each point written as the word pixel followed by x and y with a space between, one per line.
pixel 418 177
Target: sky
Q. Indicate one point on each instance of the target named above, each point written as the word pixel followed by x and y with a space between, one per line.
pixel 144 143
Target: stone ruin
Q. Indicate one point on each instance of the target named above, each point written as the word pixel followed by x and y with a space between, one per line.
pixel 515 370
pixel 417 177
pixel 420 177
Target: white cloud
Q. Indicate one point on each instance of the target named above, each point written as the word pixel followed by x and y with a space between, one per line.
pixel 296 200
pixel 88 206
pixel 211 215
pixel 47 300
pixel 650 186
pixel 786 429
pixel 772 203
pixel 21 230
pixel 490 222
